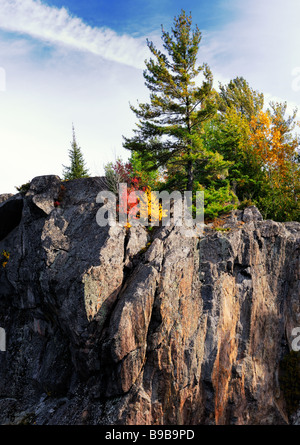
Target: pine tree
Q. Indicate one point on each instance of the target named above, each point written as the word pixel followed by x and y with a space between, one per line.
pixel 169 126
pixel 77 168
pixel 241 97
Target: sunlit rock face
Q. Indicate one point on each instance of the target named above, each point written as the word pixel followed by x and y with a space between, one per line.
pixel 108 325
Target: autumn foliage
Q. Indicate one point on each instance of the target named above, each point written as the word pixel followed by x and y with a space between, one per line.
pixel 274 146
pixel 135 199
pixel 268 144
pixel 227 143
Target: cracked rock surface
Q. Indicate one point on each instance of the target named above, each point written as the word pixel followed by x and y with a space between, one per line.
pixel 106 325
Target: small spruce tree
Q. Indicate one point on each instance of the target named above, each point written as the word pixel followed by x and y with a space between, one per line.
pixel 77 168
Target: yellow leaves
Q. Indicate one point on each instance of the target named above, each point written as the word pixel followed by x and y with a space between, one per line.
pixel 275 148
pixel 6 254
pixel 153 206
pixel 150 205
pixel 146 207
pixel 5 258
pixel 267 140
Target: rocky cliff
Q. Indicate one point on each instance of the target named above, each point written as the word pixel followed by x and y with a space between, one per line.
pixel 116 326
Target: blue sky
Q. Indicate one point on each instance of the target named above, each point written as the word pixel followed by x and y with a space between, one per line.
pixel 64 62
pixel 138 17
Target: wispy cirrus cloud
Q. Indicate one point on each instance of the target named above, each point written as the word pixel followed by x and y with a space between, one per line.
pixel 57 25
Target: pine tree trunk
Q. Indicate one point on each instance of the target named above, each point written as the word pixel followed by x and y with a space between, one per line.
pixel 190 173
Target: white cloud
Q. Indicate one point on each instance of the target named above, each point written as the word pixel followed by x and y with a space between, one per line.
pixel 56 25
pixel 57 78
pixel 42 99
pixel 260 43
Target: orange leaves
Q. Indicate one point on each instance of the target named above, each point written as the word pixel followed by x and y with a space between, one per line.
pixel 269 145
pixel 274 145
pixel 261 137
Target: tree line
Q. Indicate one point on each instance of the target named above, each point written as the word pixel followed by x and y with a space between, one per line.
pixel 189 136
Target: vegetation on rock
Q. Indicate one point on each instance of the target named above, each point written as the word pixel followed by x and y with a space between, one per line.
pixel 191 137
pixel 77 169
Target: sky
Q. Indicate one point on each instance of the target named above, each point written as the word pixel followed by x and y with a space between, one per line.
pixel 80 63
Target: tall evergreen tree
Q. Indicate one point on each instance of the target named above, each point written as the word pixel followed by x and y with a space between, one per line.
pixel 170 125
pixel 77 169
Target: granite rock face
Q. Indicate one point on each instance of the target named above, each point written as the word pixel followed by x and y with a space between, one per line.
pixel 106 325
